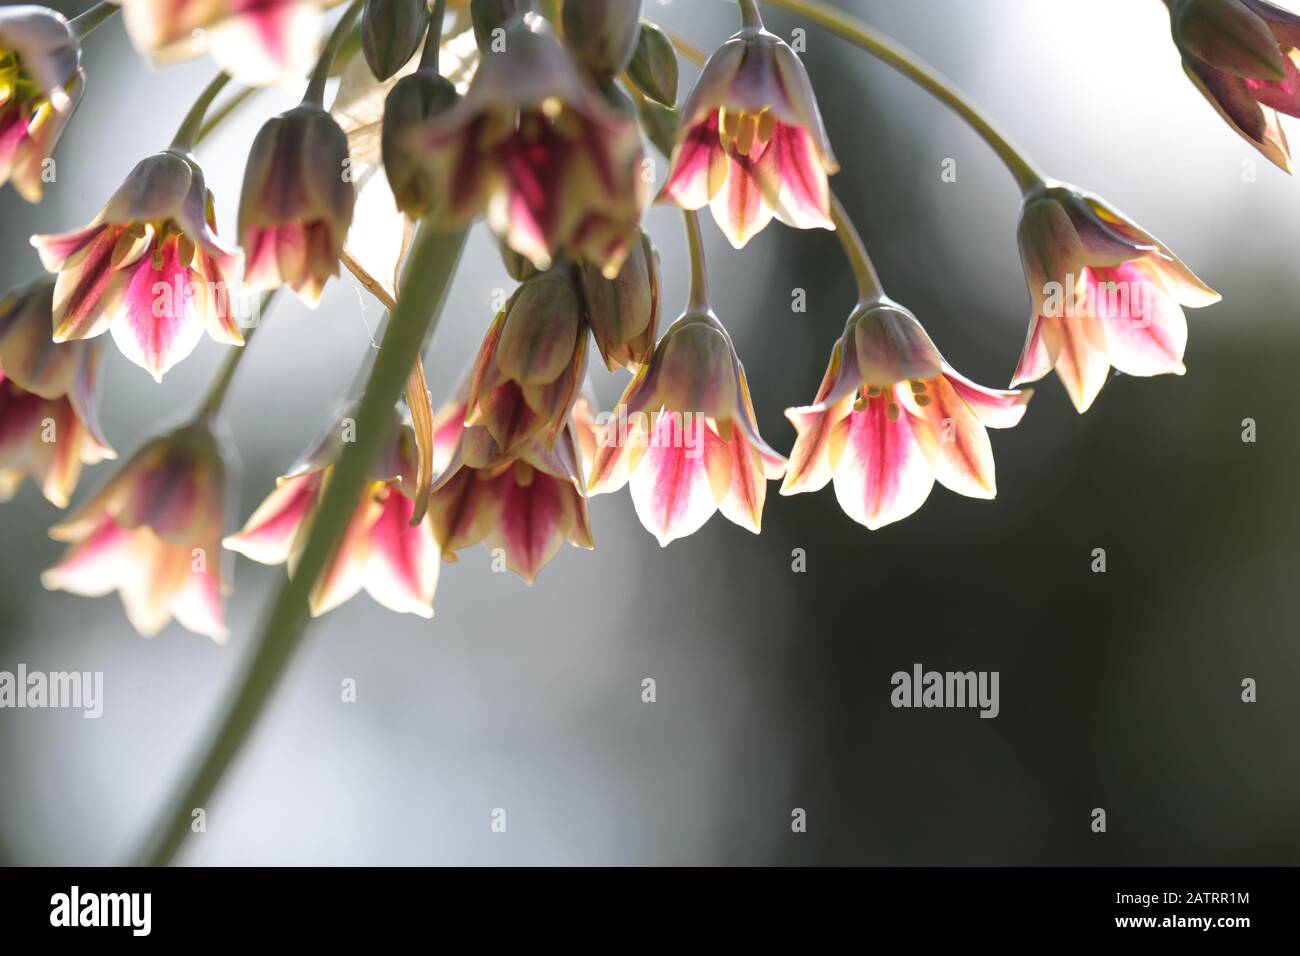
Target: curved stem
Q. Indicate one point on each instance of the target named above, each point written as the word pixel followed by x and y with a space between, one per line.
pixel 316 87
pixel 212 402
pixel 84 25
pixel 187 135
pixel 906 62
pixel 855 250
pixel 227 110
pixel 428 274
pixel 433 39
pixel 698 300
pixel 750 18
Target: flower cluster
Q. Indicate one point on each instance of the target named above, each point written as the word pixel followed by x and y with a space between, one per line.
pixel 541 131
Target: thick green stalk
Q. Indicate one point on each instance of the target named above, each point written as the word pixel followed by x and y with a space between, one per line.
pixel 914 68
pixel 425 281
pixel 187 135
pixel 84 25
pixel 316 86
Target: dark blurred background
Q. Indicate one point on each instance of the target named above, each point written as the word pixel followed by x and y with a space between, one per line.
pixel 1118 690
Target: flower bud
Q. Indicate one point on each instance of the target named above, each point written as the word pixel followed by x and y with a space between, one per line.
pixel 391 31
pixel 624 312
pixel 40 84
pixel 602 34
pixel 519 267
pixel 297 202
pixel 411 102
pixel 488 16
pixel 653 67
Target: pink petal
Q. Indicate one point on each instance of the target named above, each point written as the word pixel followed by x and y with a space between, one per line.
pixel 805 194
pixel 160 322
pixel 402 564
pixel 675 489
pixel 881 474
pixel 745 204
pixel 743 504
pixel 1145 329
pixel 695 165
pixel 536 514
pixel 995 408
pixel 810 462
pixel 269 534
pixel 956 443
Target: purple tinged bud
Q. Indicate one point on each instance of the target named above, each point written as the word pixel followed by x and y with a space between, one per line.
pixel 602 34
pixel 391 31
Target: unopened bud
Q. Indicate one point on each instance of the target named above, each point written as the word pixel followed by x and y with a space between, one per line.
pixel 412 101
pixel 391 31
pixel 602 34
pixel 653 67
pixel 624 311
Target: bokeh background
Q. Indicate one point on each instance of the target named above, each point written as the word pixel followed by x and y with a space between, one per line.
pixel 1118 690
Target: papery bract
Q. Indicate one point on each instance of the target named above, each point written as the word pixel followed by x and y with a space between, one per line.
pixel 149 267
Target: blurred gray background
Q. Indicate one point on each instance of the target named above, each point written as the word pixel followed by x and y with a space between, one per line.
pixel 1119 690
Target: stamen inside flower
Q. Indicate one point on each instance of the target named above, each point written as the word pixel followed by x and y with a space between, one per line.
pixel 746 133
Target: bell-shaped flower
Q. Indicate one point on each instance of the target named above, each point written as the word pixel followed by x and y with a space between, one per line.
pixel 153 534
pixel 1244 57
pixel 149 267
pixel 531 364
pixel 624 311
pixel 891 417
pixel 751 143
pixel 553 163
pixel 394 562
pixel 526 505
pixel 685 436
pixel 257 41
pixel 1103 292
pixel 296 204
pixel 40 85
pixel 49 426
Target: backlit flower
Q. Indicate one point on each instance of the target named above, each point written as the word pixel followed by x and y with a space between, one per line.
pixel 153 534
pixel 555 166
pixel 48 422
pixel 296 204
pixel 1244 56
pixel 751 144
pixel 40 85
pixel 526 506
pixel 891 417
pixel 149 267
pixel 257 41
pixel 395 563
pixel 1103 292
pixel 685 436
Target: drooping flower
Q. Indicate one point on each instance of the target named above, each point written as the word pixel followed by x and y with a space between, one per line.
pixel 48 422
pixel 395 563
pixel 685 436
pixel 624 311
pixel 256 41
pixel 527 505
pixel 153 534
pixel 40 85
pixel 149 267
pixel 751 143
pixel 531 364
pixel 1244 57
pixel 1103 292
pixel 891 417
pixel 296 204
pixel 553 163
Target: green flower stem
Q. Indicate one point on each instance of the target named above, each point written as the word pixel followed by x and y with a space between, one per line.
pixel 910 65
pixel 750 18
pixel 316 87
pixel 433 39
pixel 699 294
pixel 187 135
pixel 227 109
pixel 433 259
pixel 212 402
pixel 855 250
pixel 84 25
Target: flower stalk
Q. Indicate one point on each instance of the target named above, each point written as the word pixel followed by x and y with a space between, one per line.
pixel 188 134
pixel 432 263
pixel 1027 176
pixel 220 386
pixel 316 86
pixel 698 300
pixel 85 24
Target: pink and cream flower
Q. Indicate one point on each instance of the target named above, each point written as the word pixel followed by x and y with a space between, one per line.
pixel 149 267
pixel 531 364
pixel 1244 57
pixel 555 166
pixel 48 422
pixel 296 205
pixel 527 505
pixel 752 144
pixel 1104 292
pixel 40 85
pixel 891 418
pixel 684 435
pixel 153 534
pixel 257 41
pixel 381 552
